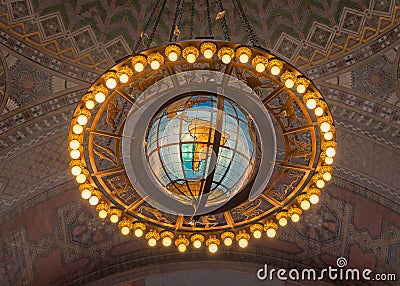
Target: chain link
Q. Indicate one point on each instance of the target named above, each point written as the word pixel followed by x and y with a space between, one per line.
pixel 225 30
pixel 209 17
pixel 156 24
pixel 177 9
pixel 249 30
pixel 146 26
pixel 191 20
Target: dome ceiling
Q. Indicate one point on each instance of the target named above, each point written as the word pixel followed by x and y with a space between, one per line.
pixel 51 52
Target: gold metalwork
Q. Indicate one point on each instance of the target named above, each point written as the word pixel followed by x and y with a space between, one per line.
pixel 125 70
pixel 190 50
pixel 259 62
pixel 288 76
pixel 220 15
pixel 249 216
pixel 275 64
pixel 227 234
pixel 177 32
pixel 243 51
pixel 226 51
pixel 172 49
pixel 208 46
pixel 256 230
pixel 301 82
pixel 197 236
pixel 138 59
pixel 212 239
pixel 152 234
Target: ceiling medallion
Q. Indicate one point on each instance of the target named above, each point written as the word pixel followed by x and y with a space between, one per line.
pixel 202 142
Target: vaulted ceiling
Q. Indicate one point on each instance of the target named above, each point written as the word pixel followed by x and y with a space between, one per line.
pixel 51 51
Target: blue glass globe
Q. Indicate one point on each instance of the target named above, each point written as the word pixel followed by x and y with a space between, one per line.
pixel 202 149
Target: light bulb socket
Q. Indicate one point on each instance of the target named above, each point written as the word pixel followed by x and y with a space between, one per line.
pixel 243 51
pixel 208 46
pixel 172 49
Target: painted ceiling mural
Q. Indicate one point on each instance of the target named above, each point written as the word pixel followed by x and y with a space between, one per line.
pixel 50 51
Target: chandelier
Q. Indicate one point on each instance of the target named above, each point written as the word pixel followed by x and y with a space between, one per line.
pixel 202 142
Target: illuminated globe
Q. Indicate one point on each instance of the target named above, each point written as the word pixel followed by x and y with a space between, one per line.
pixel 202 149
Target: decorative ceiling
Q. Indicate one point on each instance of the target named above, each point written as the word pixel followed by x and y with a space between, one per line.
pixel 51 51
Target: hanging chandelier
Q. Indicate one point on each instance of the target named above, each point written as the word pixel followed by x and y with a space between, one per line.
pixel 202 142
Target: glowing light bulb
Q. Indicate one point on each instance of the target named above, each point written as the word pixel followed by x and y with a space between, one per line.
pixel 125 230
pixel 76 170
pixel 305 205
pixel 155 65
pixel 77 129
pixel 301 88
pixel 152 242
pixel 275 70
pixel 167 241
pixel 228 241
pixel 328 160
pixel 100 97
pixel 81 178
pixel 74 144
pixel 102 214
pixel 208 54
pixel 257 234
pixel 311 103
pixel 319 111
pixel 111 83
pixel 82 119
pixel 197 244
pixel 89 104
pixel 320 184
pixel 328 136
pixel 244 58
pixel 226 59
pixel 182 247
pixel 325 126
pixel 138 232
pixel 123 78
pixel 271 232
pixel 94 200
pixel 139 67
pixel 314 199
pixel 327 176
pixel 330 152
pixel 260 67
pixel 86 194
pixel 172 56
pixel 243 243
pixel 289 83
pixel 114 218
pixel 213 248
pixel 75 154
pixel 282 221
pixel 191 58
pixel 295 217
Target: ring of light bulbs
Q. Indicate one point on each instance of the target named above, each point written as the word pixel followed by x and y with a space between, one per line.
pixel 189 53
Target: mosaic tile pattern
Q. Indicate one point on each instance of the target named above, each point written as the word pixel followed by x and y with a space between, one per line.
pixel 82 31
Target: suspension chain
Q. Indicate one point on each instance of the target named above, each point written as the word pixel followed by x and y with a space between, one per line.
pixel 209 17
pixel 225 30
pixel 156 24
pixel 146 26
pixel 191 20
pixel 243 18
pixel 177 9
